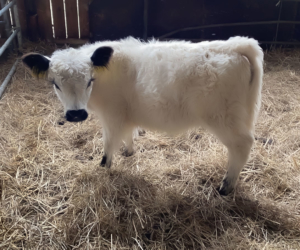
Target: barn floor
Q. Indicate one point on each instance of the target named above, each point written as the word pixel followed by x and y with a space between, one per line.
pixel 54 195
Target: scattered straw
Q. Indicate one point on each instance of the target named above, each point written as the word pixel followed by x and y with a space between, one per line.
pixel 54 195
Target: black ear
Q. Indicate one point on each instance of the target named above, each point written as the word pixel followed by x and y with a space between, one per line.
pixel 37 63
pixel 101 56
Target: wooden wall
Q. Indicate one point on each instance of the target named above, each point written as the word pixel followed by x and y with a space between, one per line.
pixel 115 19
pixel 38 24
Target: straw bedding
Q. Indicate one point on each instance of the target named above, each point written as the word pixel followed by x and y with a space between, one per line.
pixel 54 194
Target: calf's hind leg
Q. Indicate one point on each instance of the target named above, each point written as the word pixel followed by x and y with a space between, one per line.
pixel 238 142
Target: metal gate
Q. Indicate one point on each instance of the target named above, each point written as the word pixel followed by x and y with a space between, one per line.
pixel 11 33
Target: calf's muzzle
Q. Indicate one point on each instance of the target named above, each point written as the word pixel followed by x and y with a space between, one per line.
pixel 76 115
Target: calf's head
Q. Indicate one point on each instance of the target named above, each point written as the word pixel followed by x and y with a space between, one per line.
pixel 70 73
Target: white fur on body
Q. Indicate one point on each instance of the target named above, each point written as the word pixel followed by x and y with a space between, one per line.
pixel 170 87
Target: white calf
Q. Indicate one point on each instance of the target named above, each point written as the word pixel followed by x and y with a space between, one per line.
pixel 166 86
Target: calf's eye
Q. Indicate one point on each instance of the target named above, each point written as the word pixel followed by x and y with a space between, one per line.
pixel 56 86
pixel 90 82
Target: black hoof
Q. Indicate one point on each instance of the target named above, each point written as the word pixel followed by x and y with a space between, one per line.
pixel 222 191
pixel 103 161
pixel 225 189
pixel 127 154
pixel 142 132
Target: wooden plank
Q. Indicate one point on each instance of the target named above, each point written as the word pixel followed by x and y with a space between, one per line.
pixel 59 19
pixel 2 29
pixel 84 18
pixel 72 20
pixel 166 16
pixel 44 19
pixel 111 20
pixel 33 28
pixel 2 41
pixel 286 31
pixel 22 17
pixel 3 33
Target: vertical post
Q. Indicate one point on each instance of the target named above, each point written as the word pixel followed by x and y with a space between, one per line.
pixel 279 15
pixel 17 20
pixel 145 35
pixel 72 20
pixel 22 14
pixel 44 19
pixel 84 18
pixel 59 19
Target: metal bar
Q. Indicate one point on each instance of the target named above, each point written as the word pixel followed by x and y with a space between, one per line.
pixel 18 25
pixel 227 25
pixel 8 77
pixel 7 7
pixel 8 41
pixel 278 42
pixel 6 18
pixel 207 40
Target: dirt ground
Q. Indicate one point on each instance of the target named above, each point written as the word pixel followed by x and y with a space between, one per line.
pixel 54 194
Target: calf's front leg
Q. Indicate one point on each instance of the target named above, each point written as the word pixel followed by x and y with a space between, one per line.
pixel 111 140
pixel 128 139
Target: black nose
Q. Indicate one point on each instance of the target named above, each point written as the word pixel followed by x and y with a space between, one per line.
pixel 76 115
